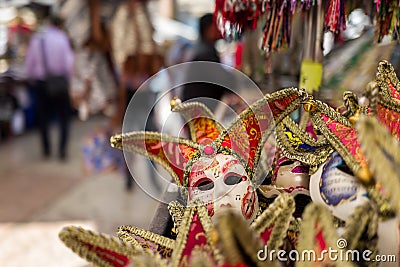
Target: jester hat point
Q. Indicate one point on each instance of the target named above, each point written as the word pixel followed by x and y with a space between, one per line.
pixel 243 139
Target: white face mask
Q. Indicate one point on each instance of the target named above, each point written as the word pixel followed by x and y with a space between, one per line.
pixel 291 175
pixel 222 182
pixel 333 186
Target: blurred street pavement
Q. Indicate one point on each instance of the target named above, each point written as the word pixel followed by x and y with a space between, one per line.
pixel 39 197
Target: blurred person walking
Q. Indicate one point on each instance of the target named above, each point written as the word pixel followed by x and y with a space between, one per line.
pixel 205 50
pixel 48 65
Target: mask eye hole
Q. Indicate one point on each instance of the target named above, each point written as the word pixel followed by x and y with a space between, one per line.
pixel 232 179
pixel 205 185
pixel 286 163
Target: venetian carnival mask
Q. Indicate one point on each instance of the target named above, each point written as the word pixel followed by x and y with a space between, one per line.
pixel 216 165
pixel 334 186
pixel 221 182
pixel 291 175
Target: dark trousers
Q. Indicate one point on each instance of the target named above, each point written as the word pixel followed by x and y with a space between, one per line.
pixel 49 108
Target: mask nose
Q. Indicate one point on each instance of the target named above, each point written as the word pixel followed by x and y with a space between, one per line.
pixel 220 189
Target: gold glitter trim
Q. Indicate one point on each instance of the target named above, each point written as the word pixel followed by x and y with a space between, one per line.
pixel 184 229
pixel 278 215
pixel 237 241
pixel 383 153
pixel 316 214
pixel 337 144
pixel 364 217
pixel 177 211
pixel 76 237
pixel 384 76
pixel 323 149
pixel 186 109
pixel 119 141
pixel 350 102
pixel 125 234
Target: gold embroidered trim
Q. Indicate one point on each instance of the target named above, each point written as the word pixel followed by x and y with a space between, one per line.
pixel 125 234
pixel 337 144
pixel 201 259
pixel 186 109
pixel 316 214
pixel 383 153
pixel 363 217
pixel 118 141
pixel 384 76
pixel 279 215
pixel 148 261
pixel 385 208
pixel 237 240
pixel 323 149
pixel 177 211
pixel 74 237
pixel 184 229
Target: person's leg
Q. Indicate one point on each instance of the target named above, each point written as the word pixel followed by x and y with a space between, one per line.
pixel 64 112
pixel 43 116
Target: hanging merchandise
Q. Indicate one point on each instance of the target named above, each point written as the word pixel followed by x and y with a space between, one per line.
pixel 132 34
pixel 388 19
pixel 278 24
pixel 236 16
pixel 311 67
pixel 335 17
pixel 233 17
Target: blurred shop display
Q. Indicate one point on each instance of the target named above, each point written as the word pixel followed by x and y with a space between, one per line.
pixel 276 17
pixel 357 23
pixel 323 26
pixel 8 109
pixel 277 43
pixel 99 157
pixel 132 34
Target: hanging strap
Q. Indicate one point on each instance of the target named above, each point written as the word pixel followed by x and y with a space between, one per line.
pixel 46 67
